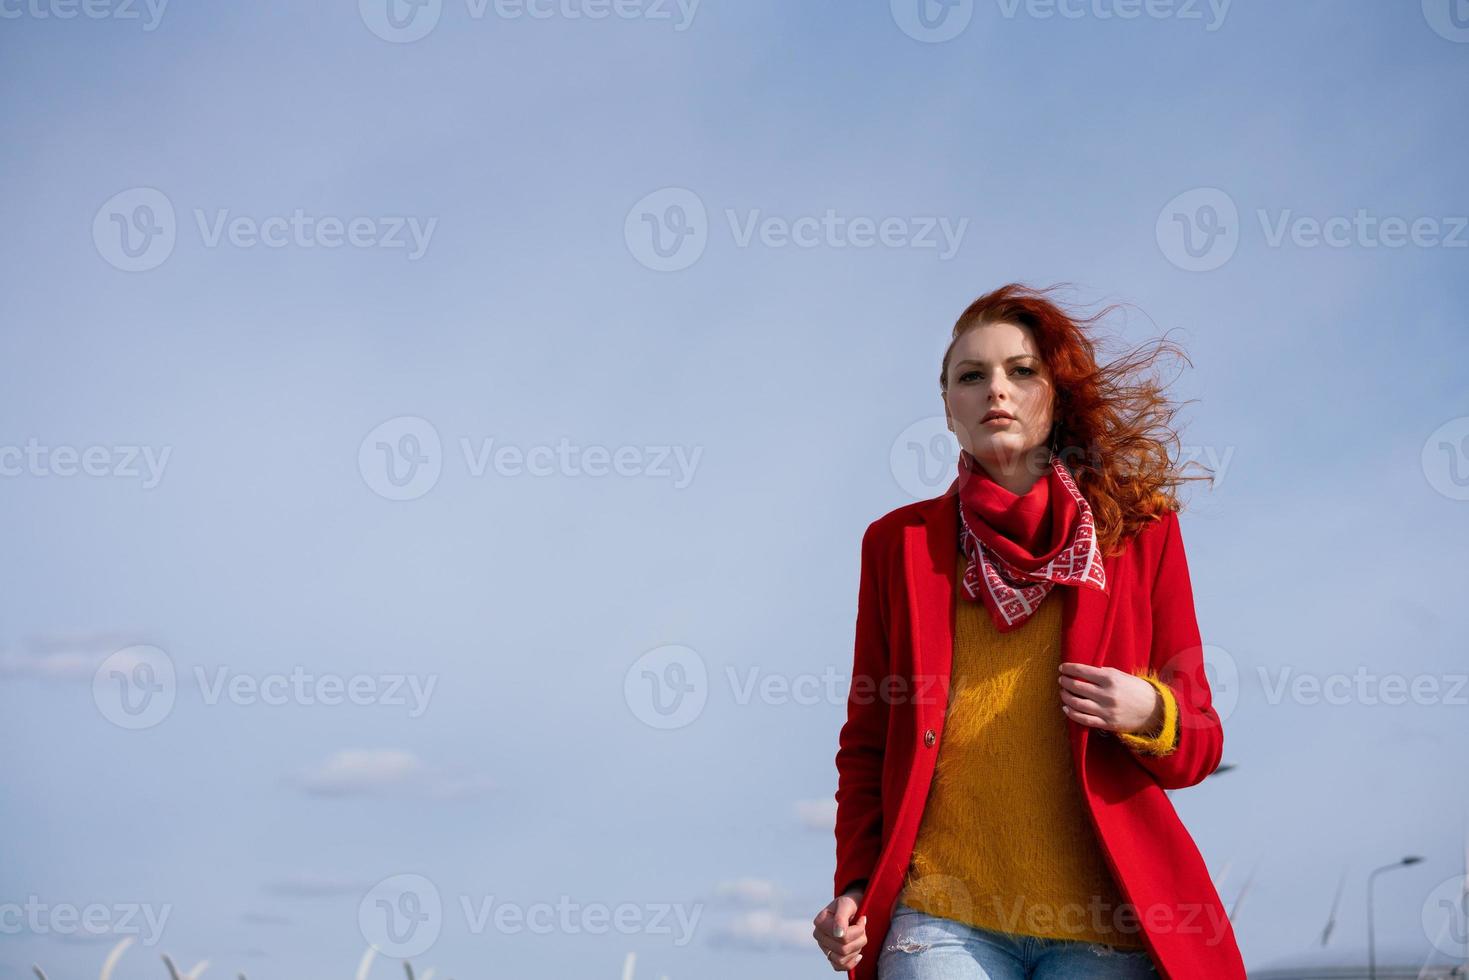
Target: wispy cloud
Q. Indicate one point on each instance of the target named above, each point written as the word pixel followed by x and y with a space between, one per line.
pixel 308 885
pixel 818 814
pixel 764 929
pixel 750 891
pixel 387 772
pixel 72 656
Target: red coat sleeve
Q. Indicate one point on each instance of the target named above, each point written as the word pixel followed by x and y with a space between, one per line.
pixel 1177 655
pixel 864 735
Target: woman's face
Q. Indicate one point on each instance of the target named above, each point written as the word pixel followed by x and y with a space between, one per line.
pixel 997 368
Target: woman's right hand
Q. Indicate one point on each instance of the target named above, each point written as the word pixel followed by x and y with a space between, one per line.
pixel 839 937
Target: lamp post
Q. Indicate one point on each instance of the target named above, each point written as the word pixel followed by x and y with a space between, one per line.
pixel 1371 944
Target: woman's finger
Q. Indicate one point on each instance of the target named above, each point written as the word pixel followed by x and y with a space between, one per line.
pixel 1085 706
pixel 852 940
pixel 1095 721
pixel 1086 689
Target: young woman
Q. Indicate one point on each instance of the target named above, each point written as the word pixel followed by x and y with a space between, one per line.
pixel 1027 681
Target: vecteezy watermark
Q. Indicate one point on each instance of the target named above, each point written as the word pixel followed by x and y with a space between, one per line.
pixel 150 12
pixel 404 915
pixel 924 458
pixel 136 687
pixel 401 916
pixel 669 686
pixel 935 21
pixel 302 687
pixel 1446 916
pixel 668 230
pixel 95 919
pixel 1205 920
pixel 1448 18
pixel 1211 13
pixel 1200 230
pixel 1365 687
pixel 1446 459
pixel 135 230
pixel 1037 914
pixel 402 459
pixel 145 463
pixel 406 21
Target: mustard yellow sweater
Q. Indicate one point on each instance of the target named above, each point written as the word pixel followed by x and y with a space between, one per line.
pixel 1005 842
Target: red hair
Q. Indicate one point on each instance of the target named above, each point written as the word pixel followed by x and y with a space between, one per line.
pixel 1113 424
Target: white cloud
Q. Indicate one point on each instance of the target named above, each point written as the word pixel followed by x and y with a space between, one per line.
pixel 364 771
pixel 388 772
pixel 818 814
pixel 766 930
pixel 750 891
pixel 65 656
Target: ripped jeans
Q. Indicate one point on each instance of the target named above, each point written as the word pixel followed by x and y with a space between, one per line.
pixel 925 947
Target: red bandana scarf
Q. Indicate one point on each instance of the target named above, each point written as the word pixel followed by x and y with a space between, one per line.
pixel 1020 546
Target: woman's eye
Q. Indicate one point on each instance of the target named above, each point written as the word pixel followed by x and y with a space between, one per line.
pixel 968 375
pixel 1026 370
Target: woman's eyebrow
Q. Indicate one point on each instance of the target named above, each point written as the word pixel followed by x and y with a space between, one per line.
pixel 1012 357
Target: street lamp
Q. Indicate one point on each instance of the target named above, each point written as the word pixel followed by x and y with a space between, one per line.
pixel 1371 945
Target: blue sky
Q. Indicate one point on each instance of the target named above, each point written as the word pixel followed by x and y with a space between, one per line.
pixel 618 456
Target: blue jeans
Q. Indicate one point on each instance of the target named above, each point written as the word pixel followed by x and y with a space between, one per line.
pixel 926 947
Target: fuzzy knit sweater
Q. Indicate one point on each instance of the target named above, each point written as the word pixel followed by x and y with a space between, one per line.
pixel 1005 842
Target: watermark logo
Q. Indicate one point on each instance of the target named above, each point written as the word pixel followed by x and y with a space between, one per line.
pixel 401 916
pixel 402 458
pixel 1199 230
pixel 924 458
pixel 1364 687
pixel 405 21
pixel 667 688
pixel 91 921
pixel 1446 459
pixel 668 230
pixel 400 21
pixel 1211 13
pixel 135 229
pixel 932 21
pixel 1445 916
pixel 150 12
pixel 144 463
pixel 1214 667
pixel 935 21
pixel 135 687
pixel 1448 18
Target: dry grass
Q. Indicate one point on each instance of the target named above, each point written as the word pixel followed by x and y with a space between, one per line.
pixel 194 974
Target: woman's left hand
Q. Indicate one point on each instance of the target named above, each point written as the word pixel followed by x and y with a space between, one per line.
pixel 1108 698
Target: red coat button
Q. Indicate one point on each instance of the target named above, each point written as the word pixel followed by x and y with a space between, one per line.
pixel 929 738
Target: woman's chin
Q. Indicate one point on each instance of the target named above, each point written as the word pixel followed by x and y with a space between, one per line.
pixel 1000 448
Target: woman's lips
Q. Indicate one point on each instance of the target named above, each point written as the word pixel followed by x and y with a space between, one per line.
pixel 998 421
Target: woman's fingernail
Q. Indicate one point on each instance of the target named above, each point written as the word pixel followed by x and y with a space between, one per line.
pixel 838 934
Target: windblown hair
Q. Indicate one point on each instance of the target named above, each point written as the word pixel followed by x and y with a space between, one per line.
pixel 1113 423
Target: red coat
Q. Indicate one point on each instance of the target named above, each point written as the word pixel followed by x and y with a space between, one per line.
pixel 894 730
